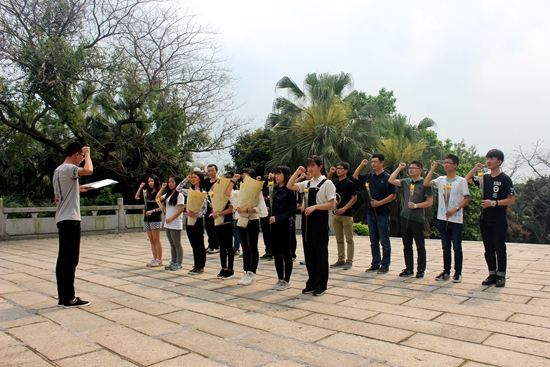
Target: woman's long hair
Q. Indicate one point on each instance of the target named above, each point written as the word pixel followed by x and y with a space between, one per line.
pixel 200 175
pixel 172 194
pixel 156 180
pixel 285 171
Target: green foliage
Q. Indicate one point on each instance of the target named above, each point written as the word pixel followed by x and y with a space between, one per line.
pixel 252 150
pixel 532 208
pixel 324 118
pixel 360 229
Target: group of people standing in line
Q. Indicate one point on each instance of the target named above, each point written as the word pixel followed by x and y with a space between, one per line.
pixel 312 194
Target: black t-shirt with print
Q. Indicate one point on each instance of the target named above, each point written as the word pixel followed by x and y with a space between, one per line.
pixel 495 188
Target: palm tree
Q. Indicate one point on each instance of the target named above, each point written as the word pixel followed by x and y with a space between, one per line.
pixel 401 141
pixel 318 120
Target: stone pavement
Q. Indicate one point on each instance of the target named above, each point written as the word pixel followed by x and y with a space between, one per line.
pixel 143 316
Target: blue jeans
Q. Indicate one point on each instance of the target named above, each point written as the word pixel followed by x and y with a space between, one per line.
pixel 451 232
pixel 379 233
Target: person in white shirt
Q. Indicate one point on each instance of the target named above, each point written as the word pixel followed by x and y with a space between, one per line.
pixel 173 223
pixel 318 200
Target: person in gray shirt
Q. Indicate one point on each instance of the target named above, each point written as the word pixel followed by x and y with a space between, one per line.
pixel 67 218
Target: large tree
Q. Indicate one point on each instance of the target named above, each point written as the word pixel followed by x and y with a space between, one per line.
pixel 320 119
pixel 139 81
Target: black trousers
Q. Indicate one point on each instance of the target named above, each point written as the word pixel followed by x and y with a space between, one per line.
pixel 494 236
pixel 210 231
pixel 195 234
pixel 224 233
pixel 67 258
pixel 264 223
pixel 280 237
pixel 413 230
pixel 249 244
pixel 316 250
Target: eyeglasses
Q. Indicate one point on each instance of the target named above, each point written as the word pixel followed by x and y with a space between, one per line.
pixel 448 163
pixel 415 168
pixel 340 168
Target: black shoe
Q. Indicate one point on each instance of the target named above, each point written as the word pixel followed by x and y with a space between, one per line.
pixel 77 302
pixel 491 279
pixel 221 274
pixel 457 278
pixel 500 282
pixel 420 274
pixel 443 276
pixel 318 294
pixel 406 273
pixel 308 291
pixel 373 268
pixel 383 270
pixel 60 303
pixel 267 256
pixel 228 274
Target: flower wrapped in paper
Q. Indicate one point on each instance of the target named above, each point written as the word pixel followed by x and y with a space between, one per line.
pixel 248 198
pixel 446 196
pixel 480 174
pixel 195 201
pixel 219 199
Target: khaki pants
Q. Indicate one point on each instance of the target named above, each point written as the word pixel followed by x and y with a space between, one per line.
pixel 343 225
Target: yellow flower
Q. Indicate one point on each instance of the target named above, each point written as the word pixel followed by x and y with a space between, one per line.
pixel 306 190
pixel 270 183
pixel 145 191
pixel 412 186
pixel 367 185
pixel 211 193
pixel 157 200
pixel 480 173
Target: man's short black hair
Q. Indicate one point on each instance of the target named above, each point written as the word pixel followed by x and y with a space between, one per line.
pixel 453 158
pixel 212 165
pixel 380 157
pixel 495 153
pixel 418 163
pixel 74 147
pixel 345 165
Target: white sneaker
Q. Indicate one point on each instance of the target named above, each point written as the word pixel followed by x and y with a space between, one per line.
pixel 284 286
pixel 150 263
pixel 279 283
pixel 251 278
pixel 244 279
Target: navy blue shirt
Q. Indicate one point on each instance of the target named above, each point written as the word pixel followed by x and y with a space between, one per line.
pixel 380 189
pixel 284 205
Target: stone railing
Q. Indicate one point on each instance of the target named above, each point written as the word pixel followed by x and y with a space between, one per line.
pixel 119 222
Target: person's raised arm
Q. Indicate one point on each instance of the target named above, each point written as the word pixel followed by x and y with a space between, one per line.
pixel 232 184
pixel 359 168
pixel 88 168
pixel 393 177
pixel 469 177
pixel 292 184
pixel 161 192
pixel 138 192
pixel 428 180
pixel 331 172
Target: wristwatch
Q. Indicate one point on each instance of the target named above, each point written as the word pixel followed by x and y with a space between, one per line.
pixel 493 203
pixel 457 208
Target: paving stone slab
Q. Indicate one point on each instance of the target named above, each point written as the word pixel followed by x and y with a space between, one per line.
pixel 133 345
pixel 142 322
pixel 142 304
pixel 523 345
pixel 503 327
pixel 75 320
pixel 430 327
pixel 189 359
pixel 415 312
pixel 389 353
pixel 219 310
pixel 308 353
pixel 531 320
pixel 13 316
pixel 279 326
pixel 218 349
pixel 99 358
pixel 475 352
pixel 208 324
pixel 329 309
pixel 64 344
pixel 20 356
pixel 459 309
pixel 375 331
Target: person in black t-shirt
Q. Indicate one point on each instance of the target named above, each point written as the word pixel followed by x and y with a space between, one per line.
pixel 380 193
pixel 497 193
pixel 342 220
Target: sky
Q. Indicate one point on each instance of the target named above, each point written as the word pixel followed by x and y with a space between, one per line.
pixel 479 69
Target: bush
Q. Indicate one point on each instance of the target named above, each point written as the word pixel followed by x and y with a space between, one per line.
pixel 360 229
